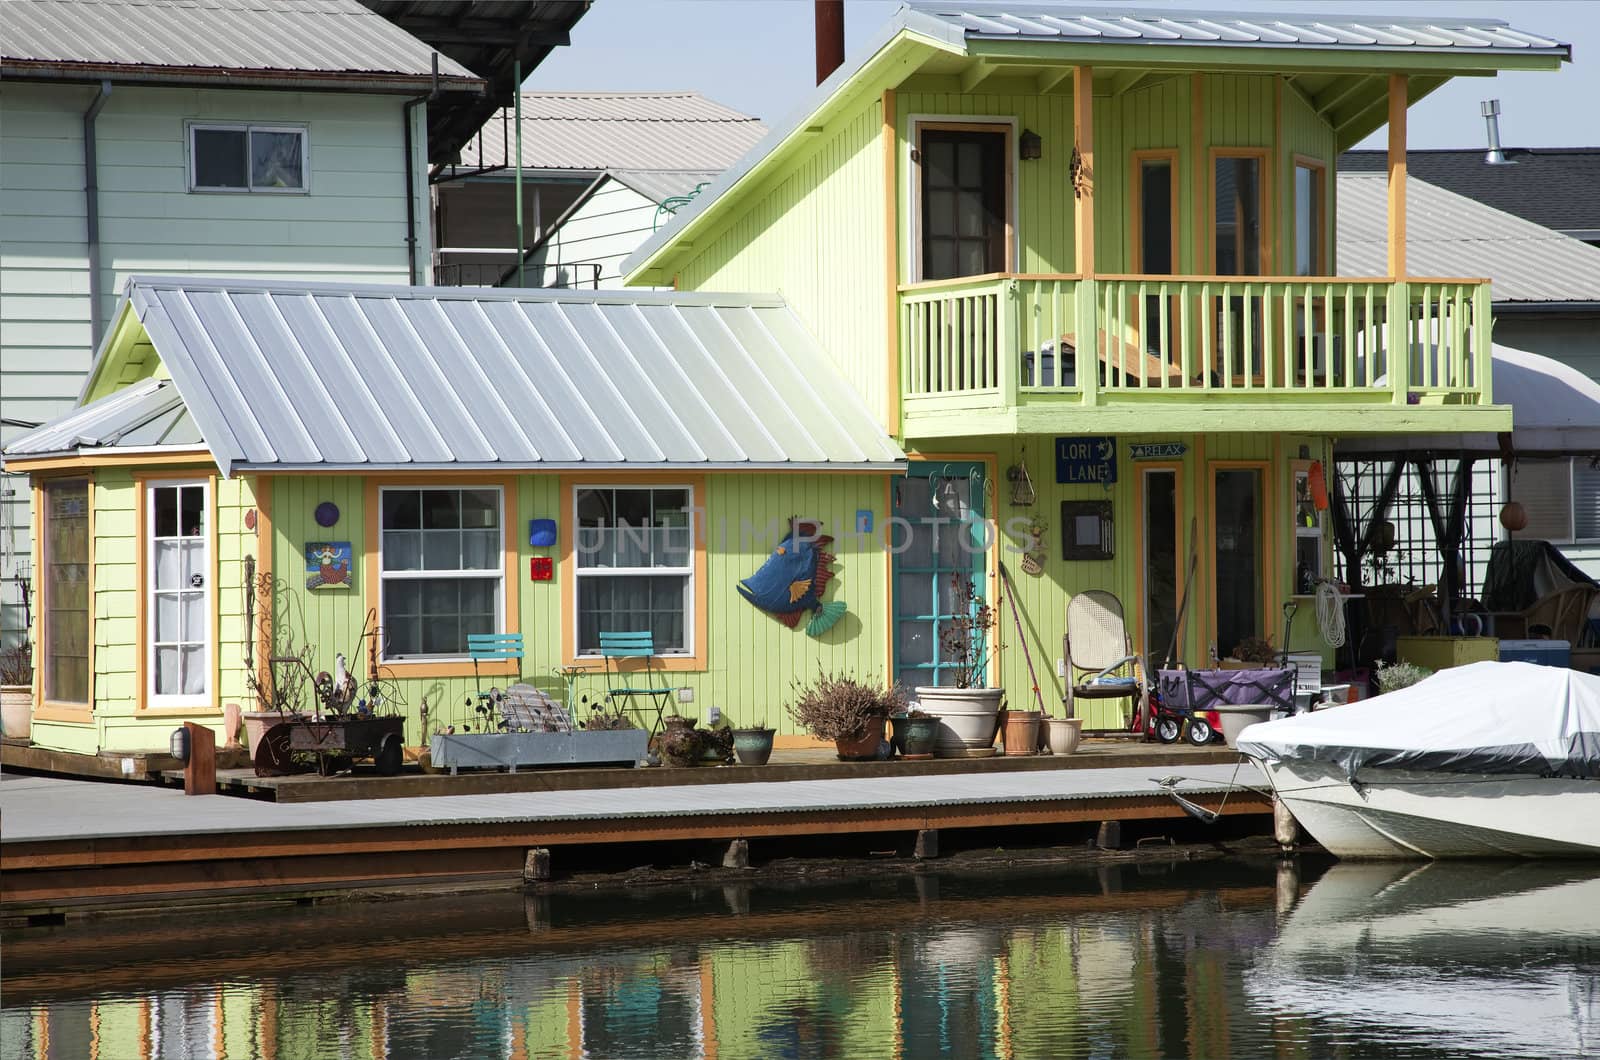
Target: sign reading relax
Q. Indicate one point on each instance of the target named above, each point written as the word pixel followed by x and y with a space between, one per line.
pixel 1086 459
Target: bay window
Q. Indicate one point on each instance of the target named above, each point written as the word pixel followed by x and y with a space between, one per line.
pixel 442 569
pixel 635 565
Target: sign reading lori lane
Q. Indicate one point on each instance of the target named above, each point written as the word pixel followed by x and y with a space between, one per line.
pixel 1086 459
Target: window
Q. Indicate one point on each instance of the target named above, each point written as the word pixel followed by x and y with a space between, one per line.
pixel 179 587
pixel 64 602
pixel 635 563
pixel 1308 219
pixel 1561 497
pixel 442 569
pixel 1157 224
pixel 963 194
pixel 1237 213
pixel 247 158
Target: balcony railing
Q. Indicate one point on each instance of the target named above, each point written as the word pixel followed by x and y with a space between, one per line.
pixel 998 341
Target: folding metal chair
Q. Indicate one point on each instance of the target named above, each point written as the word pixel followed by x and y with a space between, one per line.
pixel 619 646
pixel 490 647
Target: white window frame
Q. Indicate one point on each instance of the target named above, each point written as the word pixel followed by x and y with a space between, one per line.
pixel 205 698
pixel 497 573
pixel 687 573
pixel 303 131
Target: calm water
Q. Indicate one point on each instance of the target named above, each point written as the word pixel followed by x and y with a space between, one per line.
pixel 1211 960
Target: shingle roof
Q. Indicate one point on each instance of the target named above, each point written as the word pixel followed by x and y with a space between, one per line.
pixel 321 376
pixel 1557 187
pixel 981 19
pixel 594 131
pixel 144 416
pixel 1451 235
pixel 338 40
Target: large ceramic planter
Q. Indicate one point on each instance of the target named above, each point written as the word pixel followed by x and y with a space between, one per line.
pixel 1064 734
pixel 16 711
pixel 1021 732
pixel 1236 716
pixel 256 724
pixel 863 745
pixel 968 717
pixel 753 746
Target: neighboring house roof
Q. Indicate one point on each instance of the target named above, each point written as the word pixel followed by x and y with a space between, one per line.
pixel 1019 33
pixel 659 185
pixel 490 38
pixel 330 376
pixel 595 131
pixel 147 416
pixel 1451 235
pixel 218 42
pixel 1557 187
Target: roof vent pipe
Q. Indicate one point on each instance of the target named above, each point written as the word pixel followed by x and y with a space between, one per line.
pixel 830 37
pixel 1490 108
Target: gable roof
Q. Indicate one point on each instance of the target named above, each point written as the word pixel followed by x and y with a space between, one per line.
pixel 595 131
pixel 283 376
pixel 1557 187
pixel 1451 235
pixel 1018 34
pixel 286 42
pixel 147 416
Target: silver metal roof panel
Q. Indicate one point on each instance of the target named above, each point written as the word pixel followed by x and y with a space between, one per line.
pixel 189 38
pixel 320 376
pixel 148 415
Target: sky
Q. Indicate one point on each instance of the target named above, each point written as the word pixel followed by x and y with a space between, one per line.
pixel 757 56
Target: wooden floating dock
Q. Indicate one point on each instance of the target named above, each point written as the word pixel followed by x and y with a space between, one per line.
pixel 73 843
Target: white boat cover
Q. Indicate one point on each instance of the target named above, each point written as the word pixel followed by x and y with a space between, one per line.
pixel 1488 717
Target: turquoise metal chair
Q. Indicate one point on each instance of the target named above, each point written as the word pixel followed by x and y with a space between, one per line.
pixel 651 686
pixel 490 647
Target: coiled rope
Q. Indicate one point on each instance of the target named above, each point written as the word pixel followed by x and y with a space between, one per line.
pixel 1330 614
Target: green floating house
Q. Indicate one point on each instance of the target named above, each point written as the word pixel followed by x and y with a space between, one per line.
pixel 1058 290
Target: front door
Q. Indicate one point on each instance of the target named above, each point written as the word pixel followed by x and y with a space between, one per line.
pixel 1158 489
pixel 1238 564
pixel 937 541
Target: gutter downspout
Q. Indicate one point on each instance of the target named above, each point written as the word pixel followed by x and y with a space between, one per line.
pixel 411 194
pixel 517 77
pixel 91 196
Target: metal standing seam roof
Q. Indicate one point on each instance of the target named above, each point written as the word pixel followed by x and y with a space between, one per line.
pixel 594 131
pixel 222 38
pixel 145 416
pixel 328 376
pixel 953 25
pixel 1451 235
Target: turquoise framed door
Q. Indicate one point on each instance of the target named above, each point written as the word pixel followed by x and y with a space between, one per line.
pixel 938 540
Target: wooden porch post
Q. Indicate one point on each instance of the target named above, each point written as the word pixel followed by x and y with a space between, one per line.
pixel 1397 176
pixel 1086 325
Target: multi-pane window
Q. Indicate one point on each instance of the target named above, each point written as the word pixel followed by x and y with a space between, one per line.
pixel 247 158
pixel 963 202
pixel 180 593
pixel 443 569
pixel 635 552
pixel 64 601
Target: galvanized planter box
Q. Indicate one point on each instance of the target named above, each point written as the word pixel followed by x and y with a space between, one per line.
pixel 509 750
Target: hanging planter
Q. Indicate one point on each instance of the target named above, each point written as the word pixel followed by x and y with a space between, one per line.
pixel 1022 492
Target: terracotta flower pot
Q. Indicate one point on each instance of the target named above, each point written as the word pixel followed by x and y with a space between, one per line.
pixel 1022 732
pixel 862 745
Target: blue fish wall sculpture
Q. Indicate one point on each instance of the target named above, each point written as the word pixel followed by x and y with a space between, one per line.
pixel 791 581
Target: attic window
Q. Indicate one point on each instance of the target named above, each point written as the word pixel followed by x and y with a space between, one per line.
pixel 247 158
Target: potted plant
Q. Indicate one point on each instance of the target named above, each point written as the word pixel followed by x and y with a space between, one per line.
pixel 753 745
pixel 682 745
pixel 16 691
pixel 968 710
pixel 915 734
pixel 851 713
pixel 1394 676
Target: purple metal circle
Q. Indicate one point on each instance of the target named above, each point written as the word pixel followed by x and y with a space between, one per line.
pixel 327 513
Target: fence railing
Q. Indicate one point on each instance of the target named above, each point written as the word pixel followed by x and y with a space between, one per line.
pixel 989 339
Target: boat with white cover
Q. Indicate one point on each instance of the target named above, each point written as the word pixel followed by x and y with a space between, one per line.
pixel 1486 760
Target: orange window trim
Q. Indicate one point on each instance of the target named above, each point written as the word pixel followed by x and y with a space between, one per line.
pixel 1263 195
pixel 1320 208
pixel 142 479
pixel 512 556
pixel 566 562
pixel 1136 206
pixel 47 709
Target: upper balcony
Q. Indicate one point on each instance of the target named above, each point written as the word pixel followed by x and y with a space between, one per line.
pixel 1006 353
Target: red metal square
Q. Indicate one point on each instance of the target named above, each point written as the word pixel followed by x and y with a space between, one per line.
pixel 541 568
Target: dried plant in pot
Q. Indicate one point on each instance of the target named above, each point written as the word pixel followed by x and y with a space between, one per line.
pixel 969 710
pixel 849 712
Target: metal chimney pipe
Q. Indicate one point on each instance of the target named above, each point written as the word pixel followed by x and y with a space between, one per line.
pixel 830 37
pixel 1490 109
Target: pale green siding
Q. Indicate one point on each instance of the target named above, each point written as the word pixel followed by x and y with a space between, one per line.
pixel 1305 133
pixel 351 227
pixel 605 230
pixel 815 234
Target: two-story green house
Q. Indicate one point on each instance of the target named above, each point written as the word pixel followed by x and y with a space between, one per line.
pixel 1096 249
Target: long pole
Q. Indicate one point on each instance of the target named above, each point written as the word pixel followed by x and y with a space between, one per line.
pixel 1016 616
pixel 516 76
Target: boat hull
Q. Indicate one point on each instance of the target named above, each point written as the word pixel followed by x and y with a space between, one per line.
pixel 1394 813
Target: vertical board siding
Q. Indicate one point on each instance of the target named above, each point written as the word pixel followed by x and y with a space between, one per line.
pixel 350 227
pixel 751 659
pixel 605 229
pixel 814 235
